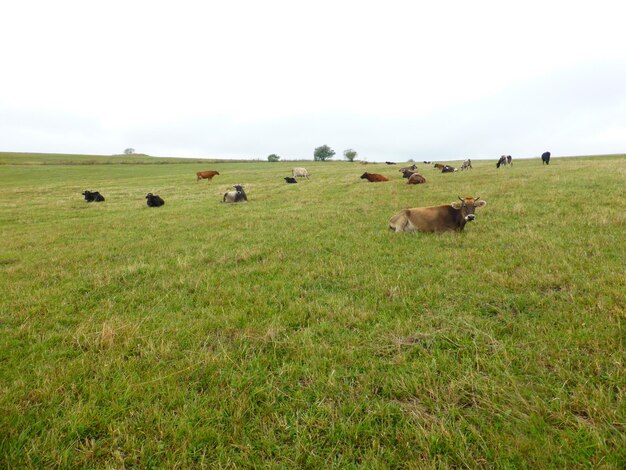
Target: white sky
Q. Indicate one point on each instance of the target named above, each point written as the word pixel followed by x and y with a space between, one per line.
pixel 391 79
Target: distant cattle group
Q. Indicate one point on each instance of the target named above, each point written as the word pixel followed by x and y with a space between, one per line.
pixel 449 217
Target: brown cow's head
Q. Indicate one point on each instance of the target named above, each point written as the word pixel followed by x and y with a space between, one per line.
pixel 364 175
pixel 467 206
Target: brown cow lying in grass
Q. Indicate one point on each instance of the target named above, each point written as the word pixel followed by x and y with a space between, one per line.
pixel 449 217
pixel 373 177
pixel 416 178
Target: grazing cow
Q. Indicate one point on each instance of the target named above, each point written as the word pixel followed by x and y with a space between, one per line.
pixel 390 163
pixel 373 177
pixel 93 196
pixel 290 180
pixel 407 173
pixel 545 158
pixel 427 163
pixel 449 217
pixel 448 169
pixel 238 195
pixel 416 178
pixel 153 200
pixel 467 165
pixel 410 168
pixel 300 173
pixel 505 160
pixel 207 175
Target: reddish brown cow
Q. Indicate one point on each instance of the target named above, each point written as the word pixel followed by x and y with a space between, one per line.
pixel 373 177
pixel 449 217
pixel 207 175
pixel 416 178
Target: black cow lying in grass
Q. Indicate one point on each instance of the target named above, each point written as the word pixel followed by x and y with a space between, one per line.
pixel 154 201
pixel 93 196
pixel 290 180
pixel 238 195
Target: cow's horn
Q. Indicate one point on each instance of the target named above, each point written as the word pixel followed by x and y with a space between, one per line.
pixel 460 198
pixel 477 199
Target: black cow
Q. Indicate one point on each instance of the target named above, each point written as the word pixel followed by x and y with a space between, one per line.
pixel 545 158
pixel 290 180
pixel 93 196
pixel 153 200
pixel 407 173
pixel 390 163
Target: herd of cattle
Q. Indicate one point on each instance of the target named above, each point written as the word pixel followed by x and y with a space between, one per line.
pixel 447 217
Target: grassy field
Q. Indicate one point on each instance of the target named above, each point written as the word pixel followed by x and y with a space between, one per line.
pixel 297 331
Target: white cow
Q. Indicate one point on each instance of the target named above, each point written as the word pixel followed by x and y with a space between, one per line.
pixel 300 172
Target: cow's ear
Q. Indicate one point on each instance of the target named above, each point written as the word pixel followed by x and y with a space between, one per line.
pixel 480 203
pixel 456 204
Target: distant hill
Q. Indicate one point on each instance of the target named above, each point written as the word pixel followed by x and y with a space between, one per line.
pixel 17 158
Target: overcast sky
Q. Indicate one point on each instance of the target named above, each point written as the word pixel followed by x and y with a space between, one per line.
pixel 243 79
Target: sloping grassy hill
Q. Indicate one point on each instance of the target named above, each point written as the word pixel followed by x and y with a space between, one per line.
pixel 297 331
pixel 17 158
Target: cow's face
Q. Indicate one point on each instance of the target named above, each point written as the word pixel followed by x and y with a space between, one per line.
pixel 467 206
pixel 364 175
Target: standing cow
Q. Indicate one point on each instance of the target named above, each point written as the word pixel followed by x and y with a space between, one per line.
pixel 505 160
pixel 207 175
pixel 467 165
pixel 545 158
pixel 300 173
pixel 449 217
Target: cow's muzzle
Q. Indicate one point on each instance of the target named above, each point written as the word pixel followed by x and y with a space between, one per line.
pixel 469 217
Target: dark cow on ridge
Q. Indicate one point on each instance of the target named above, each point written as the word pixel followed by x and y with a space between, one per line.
pixel 290 180
pixel 207 175
pixel 93 196
pixel 505 160
pixel 373 177
pixel 390 163
pixel 154 201
pixel 416 178
pixel 545 158
pixel 238 195
pixel 449 217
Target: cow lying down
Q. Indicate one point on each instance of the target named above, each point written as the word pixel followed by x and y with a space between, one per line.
pixel 152 200
pixel 93 196
pixel 449 217
pixel 238 195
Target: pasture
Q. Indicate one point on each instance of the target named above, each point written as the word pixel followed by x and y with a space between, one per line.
pixel 296 330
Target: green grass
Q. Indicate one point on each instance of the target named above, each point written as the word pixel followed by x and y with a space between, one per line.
pixel 297 331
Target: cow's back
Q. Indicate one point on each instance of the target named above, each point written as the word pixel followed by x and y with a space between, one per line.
pixel 425 219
